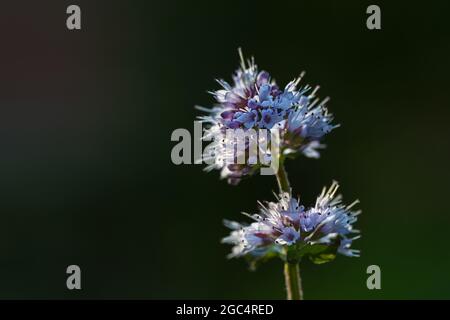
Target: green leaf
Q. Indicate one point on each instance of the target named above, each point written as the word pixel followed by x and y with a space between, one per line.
pixel 322 258
pixel 321 253
pixel 317 253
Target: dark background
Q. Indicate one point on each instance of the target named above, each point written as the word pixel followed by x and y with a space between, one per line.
pixel 86 117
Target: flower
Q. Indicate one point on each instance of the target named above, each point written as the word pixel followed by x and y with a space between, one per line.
pixel 305 127
pixel 254 101
pixel 289 229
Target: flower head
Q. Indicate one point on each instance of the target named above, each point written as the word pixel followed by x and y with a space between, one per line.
pixel 291 230
pixel 253 102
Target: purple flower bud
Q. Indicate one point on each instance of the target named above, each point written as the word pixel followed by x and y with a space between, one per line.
pixel 228 115
pixel 263 78
pixel 264 91
pixel 252 104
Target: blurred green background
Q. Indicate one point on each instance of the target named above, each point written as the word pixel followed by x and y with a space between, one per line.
pixel 86 117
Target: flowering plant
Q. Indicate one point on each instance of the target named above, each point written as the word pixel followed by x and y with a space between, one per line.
pixel 285 228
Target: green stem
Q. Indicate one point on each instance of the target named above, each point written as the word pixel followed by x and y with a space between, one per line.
pixel 282 178
pixel 291 269
pixel 293 281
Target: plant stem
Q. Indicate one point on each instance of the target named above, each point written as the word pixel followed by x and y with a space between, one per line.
pixel 291 269
pixel 293 281
pixel 282 178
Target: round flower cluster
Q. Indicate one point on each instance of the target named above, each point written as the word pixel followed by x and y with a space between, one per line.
pixel 286 224
pixel 255 101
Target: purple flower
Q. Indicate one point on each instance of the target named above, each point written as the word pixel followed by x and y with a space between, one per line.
pixel 269 118
pixel 328 226
pixel 252 102
pixel 247 118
